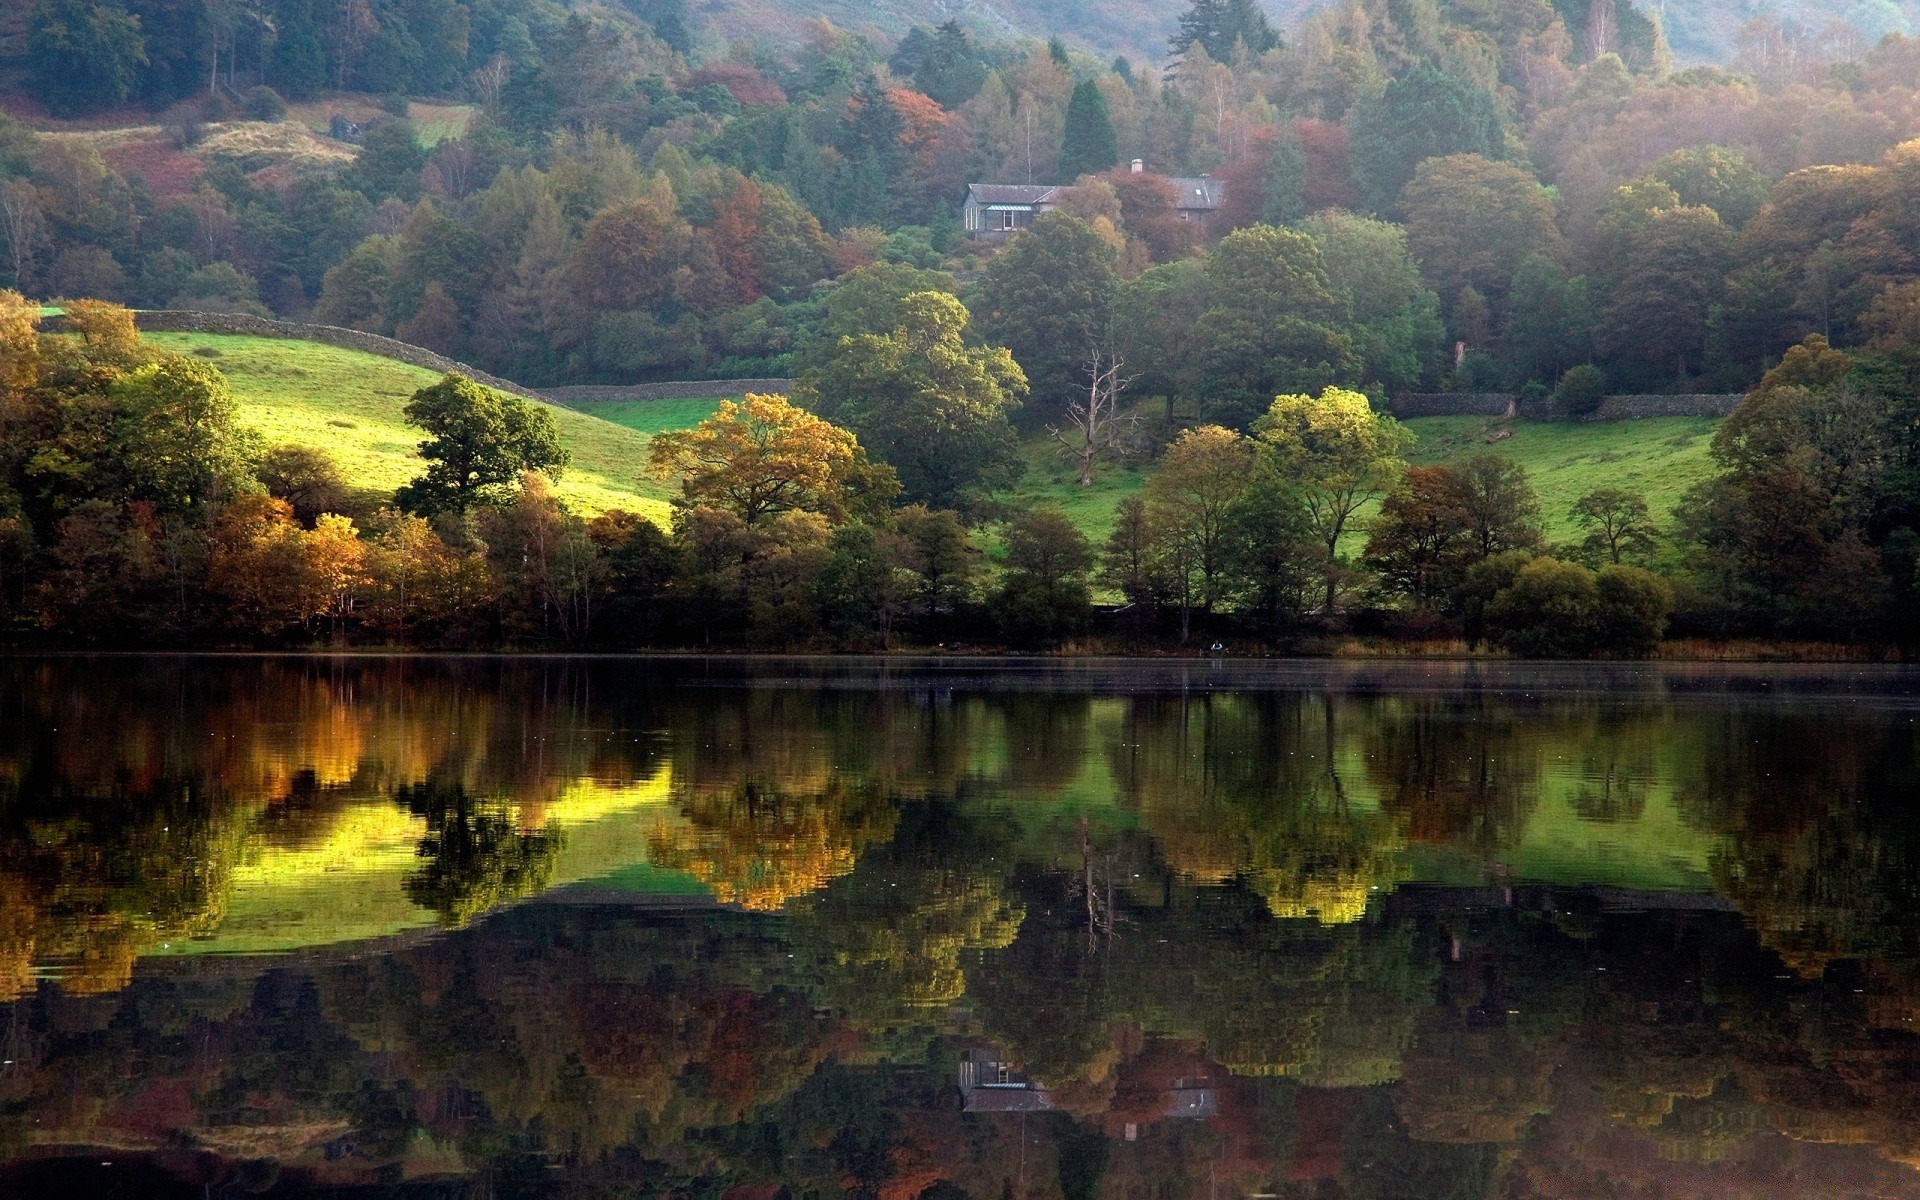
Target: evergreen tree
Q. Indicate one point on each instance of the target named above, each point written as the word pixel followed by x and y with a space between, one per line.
pixel 299 61
pixel 1089 145
pixel 1424 114
pixel 1222 28
pixel 84 55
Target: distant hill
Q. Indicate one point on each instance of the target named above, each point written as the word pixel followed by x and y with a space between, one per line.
pixel 1698 30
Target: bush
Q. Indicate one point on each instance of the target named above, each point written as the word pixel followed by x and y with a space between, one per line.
pixel 1581 390
pixel 265 104
pixel 396 104
pixel 1551 610
pixel 184 124
pixel 1634 607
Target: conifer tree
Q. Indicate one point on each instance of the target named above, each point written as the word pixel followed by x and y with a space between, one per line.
pixel 1222 27
pixel 1089 145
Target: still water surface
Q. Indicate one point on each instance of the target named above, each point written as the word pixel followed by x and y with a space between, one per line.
pixel 1020 931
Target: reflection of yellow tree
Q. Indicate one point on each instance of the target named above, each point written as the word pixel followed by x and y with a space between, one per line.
pixel 894 935
pixel 759 847
pixel 1326 860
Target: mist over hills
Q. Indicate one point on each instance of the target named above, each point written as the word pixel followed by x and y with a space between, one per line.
pixel 1696 30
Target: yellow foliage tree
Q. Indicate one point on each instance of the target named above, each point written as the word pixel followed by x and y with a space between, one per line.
pixel 759 457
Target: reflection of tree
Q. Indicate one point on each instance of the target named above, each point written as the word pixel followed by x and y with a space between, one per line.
pixel 891 933
pixel 476 855
pixel 759 846
pixel 94 879
pixel 1319 857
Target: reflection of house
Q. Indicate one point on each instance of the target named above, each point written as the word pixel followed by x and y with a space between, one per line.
pixel 994 210
pixel 988 1083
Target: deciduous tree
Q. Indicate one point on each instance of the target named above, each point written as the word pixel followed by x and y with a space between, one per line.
pixel 481 442
pixel 759 457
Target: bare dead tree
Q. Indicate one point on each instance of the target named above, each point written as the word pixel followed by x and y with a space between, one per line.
pixel 491 80
pixel 24 225
pixel 1097 424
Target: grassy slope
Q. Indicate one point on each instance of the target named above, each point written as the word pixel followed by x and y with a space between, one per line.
pixel 350 402
pixel 1658 458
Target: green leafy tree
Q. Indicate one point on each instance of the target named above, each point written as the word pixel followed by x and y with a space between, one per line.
pixel 922 400
pixel 1426 113
pixel 1580 391
pixel 1340 454
pixel 865 300
pixel 1619 526
pixel 1395 317
pixel 1043 596
pixel 1471 222
pixel 1088 146
pixel 84 54
pixel 1154 319
pixel 1670 278
pixel 1273 323
pixel 1717 178
pixel 1551 326
pixel 481 442
pixel 1048 298
pixel 1286 181
pixel 1188 499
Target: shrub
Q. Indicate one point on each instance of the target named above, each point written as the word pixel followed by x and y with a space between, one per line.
pixel 1581 390
pixel 1634 606
pixel 265 104
pixel 396 104
pixel 1550 610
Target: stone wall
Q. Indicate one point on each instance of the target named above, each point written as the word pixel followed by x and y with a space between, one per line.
pixel 1455 404
pixel 574 397
pixel 175 321
pixel 1638 408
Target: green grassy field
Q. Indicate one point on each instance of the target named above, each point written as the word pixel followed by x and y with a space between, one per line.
pixel 350 403
pixel 1659 458
pixel 654 416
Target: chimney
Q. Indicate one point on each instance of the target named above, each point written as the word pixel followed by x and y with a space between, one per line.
pixel 1139 166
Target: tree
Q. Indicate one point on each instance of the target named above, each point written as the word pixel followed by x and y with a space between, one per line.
pixel 1043 596
pixel 1669 280
pixel 1286 181
pixel 1422 541
pixel 1127 562
pixel 1551 610
pixel 1424 114
pixel 1395 317
pixel 1088 144
pixel 1550 328
pixel 1503 513
pixel 1099 428
pixel 1272 322
pixel 1634 606
pixel 84 54
pixel 1619 526
pixel 938 551
pixel 1188 499
pixel 759 457
pixel 1472 222
pixel 1048 298
pixel 1154 319
pixel 481 442
pixel 946 64
pixel 1580 391
pixel 922 400
pixel 865 300
pixel 1225 29
pixel 1271 552
pixel 1717 178
pixel 306 477
pixel 1340 454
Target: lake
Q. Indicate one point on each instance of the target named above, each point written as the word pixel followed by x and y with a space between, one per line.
pixel 1032 930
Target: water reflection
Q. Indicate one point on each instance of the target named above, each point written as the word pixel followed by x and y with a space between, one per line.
pixel 597 928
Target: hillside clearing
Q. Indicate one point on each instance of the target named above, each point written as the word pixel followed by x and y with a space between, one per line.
pixel 1660 458
pixel 349 403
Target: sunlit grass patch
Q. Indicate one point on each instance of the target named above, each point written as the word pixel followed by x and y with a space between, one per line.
pixel 350 403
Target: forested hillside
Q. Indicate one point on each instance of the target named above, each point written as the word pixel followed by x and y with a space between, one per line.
pixel 1399 196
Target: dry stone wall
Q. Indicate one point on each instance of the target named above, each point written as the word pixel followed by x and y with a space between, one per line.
pixel 241 324
pixel 686 390
pixel 1455 404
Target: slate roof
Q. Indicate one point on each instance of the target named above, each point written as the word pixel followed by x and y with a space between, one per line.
pixel 1013 193
pixel 1194 194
